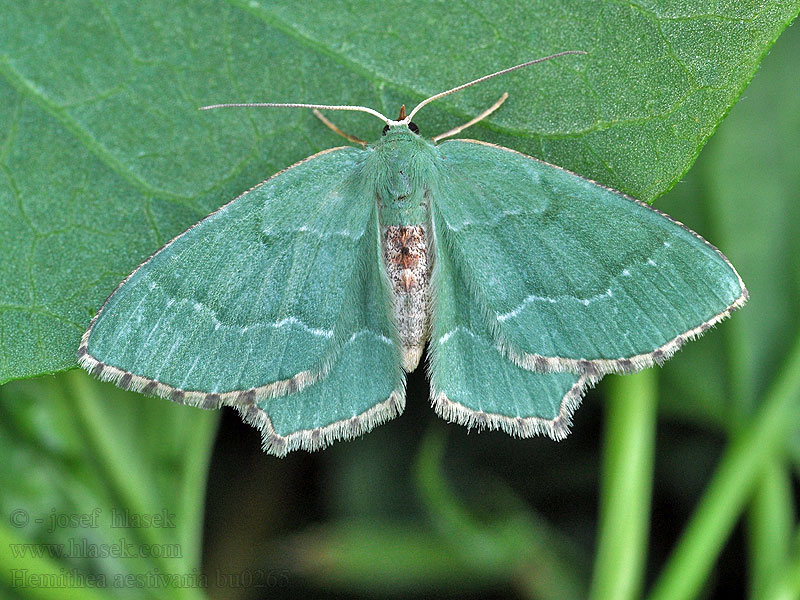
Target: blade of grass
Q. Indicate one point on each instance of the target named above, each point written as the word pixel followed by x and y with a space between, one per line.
pixel 627 485
pixel 731 486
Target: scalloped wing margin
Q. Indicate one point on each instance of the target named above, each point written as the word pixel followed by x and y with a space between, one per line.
pixel 472 382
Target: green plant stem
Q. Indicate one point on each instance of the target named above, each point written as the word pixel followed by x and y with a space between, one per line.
pixel 193 487
pixel 627 486
pixel 786 585
pixel 770 527
pixel 731 486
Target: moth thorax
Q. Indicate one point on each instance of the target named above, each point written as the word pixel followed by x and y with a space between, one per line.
pixel 405 254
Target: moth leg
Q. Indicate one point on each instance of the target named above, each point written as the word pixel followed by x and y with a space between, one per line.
pixel 471 122
pixel 352 138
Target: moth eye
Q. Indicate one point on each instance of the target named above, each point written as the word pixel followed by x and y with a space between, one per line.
pixel 412 126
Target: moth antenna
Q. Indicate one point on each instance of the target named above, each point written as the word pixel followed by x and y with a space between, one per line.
pixel 333 127
pixel 471 122
pixel 365 109
pixel 485 77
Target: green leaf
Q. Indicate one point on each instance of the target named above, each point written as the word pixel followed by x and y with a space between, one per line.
pixel 105 156
pixel 76 477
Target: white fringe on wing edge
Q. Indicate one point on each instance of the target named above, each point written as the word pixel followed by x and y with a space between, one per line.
pixel 522 427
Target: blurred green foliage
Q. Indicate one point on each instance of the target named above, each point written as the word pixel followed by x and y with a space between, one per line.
pixel 101 111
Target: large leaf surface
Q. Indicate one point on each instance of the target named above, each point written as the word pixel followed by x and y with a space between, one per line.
pixel 104 156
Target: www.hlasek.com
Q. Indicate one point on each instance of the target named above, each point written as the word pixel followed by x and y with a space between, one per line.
pixel 83 548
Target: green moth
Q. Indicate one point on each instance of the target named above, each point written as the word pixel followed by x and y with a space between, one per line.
pixel 303 302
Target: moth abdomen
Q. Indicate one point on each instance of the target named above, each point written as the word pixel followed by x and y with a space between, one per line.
pixel 405 254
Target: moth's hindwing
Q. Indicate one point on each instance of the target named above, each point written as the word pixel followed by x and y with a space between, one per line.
pixel 472 382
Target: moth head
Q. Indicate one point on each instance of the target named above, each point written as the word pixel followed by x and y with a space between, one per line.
pixel 402 120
